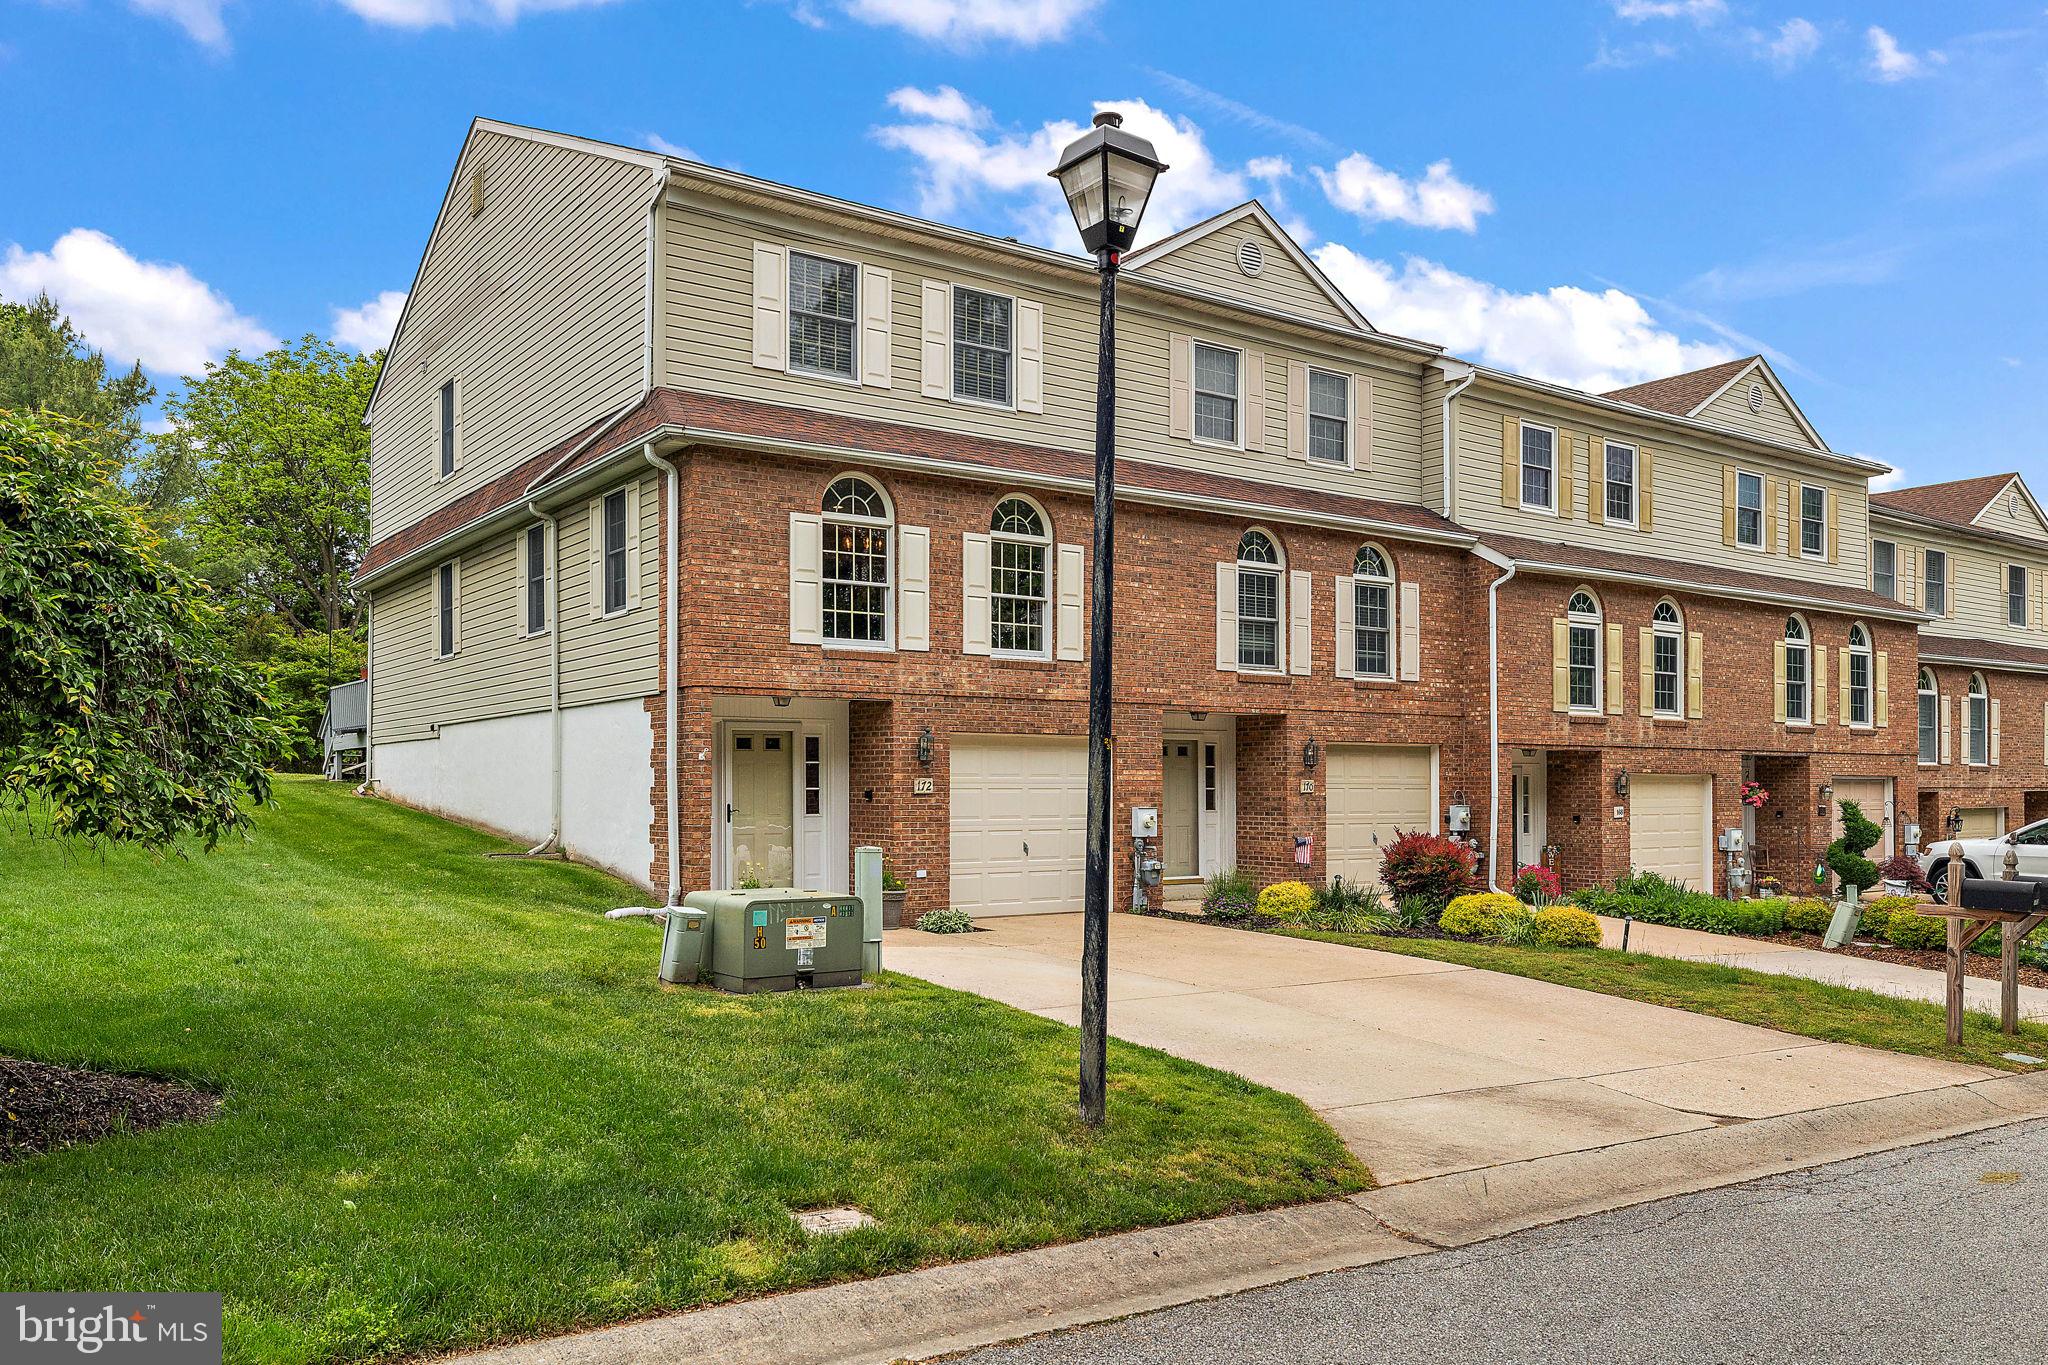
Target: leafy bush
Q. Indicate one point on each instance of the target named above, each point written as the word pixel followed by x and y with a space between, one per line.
pixel 1417 912
pixel 946 922
pixel 1475 915
pixel 1845 855
pixel 1431 865
pixel 1514 928
pixel 1230 897
pixel 1537 882
pixel 1286 900
pixel 1655 900
pixel 1908 928
pixel 1566 926
pixel 1342 908
pixel 1900 868
pixel 1809 915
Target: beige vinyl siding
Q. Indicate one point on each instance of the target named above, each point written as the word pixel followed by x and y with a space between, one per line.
pixel 1210 264
pixel 536 307
pixel 1688 494
pixel 1978 573
pixel 2001 516
pixel 1431 439
pixel 708 346
pixel 1774 421
pixel 616 656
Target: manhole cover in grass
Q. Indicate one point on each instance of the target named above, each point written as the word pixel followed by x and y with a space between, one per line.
pixel 830 1222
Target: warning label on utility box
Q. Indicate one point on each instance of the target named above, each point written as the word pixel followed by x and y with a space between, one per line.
pixel 803 932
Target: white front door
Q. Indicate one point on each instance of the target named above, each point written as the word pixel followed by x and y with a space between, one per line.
pixel 1526 796
pixel 760 817
pixel 1179 823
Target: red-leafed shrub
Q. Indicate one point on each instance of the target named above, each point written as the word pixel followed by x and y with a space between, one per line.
pixel 1900 868
pixel 1429 866
pixel 1535 881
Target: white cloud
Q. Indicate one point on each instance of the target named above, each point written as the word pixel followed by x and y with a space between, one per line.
pixel 1567 335
pixel 153 311
pixel 1852 261
pixel 1894 477
pixel 1701 12
pixel 1795 41
pixel 943 105
pixel 1362 187
pixel 657 143
pixel 446 13
pixel 1890 63
pixel 964 23
pixel 201 19
pixel 369 325
pixel 1627 56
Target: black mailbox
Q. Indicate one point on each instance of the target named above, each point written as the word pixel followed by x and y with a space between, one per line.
pixel 2021 897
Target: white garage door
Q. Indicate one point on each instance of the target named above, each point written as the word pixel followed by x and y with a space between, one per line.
pixel 1019 824
pixel 1667 828
pixel 1983 822
pixel 1376 792
pixel 1873 796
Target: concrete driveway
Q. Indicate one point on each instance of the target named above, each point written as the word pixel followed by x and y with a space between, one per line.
pixel 1425 1068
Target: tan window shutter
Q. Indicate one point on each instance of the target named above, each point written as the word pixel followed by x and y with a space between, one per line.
pixel 1834 525
pixel 1947 729
pixel 1695 674
pixel 1994 732
pixel 1596 479
pixel 1297 409
pixel 1614 698
pixel 771 306
pixel 1361 421
pixel 1819 687
pixel 806 578
pixel 1842 685
pixel 2034 584
pixel 1906 566
pixel 1069 582
pixel 455 603
pixel 2044 732
pixel 1254 400
pixel 1030 356
pixel 1728 504
pixel 1560 664
pixel 595 555
pixel 914 587
pixel 1566 458
pixel 1645 487
pixel 1950 603
pixel 1347 626
pixel 1299 622
pixel 632 545
pixel 1646 671
pixel 1779 710
pixel 935 338
pixel 1772 489
pixel 1511 461
pixel 1226 617
pixel 974 593
pixel 1180 388
pixel 1410 623
pixel 1881 689
pixel 877 318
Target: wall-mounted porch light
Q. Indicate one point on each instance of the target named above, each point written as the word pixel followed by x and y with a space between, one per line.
pixel 1310 752
pixel 1621 782
pixel 924 746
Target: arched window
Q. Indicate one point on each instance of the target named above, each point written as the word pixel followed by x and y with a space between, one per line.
pixel 1372 588
pixel 1798 672
pixel 1979 722
pixel 1583 650
pixel 1667 660
pixel 856 562
pixel 1930 718
pixel 1018 546
pixel 1258 601
pixel 1859 675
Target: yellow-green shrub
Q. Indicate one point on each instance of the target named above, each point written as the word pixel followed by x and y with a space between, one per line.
pixel 1908 928
pixel 1473 916
pixel 1286 900
pixel 1809 915
pixel 1567 926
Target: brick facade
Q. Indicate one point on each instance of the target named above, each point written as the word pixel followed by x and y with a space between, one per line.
pixel 2017 783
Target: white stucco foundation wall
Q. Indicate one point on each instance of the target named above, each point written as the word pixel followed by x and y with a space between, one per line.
pixel 608 788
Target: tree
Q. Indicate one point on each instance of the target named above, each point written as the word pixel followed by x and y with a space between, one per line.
pixel 1845 855
pixel 45 364
pixel 123 714
pixel 282 459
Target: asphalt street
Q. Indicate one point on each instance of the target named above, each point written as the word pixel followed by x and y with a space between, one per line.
pixel 1934 1253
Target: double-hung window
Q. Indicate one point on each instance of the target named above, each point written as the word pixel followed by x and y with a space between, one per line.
pixel 1749 509
pixel 984 346
pixel 1934 581
pixel 1373 614
pixel 1859 676
pixel 1582 616
pixel 856 563
pixel 1667 661
pixel 1018 543
pixel 1258 601
pixel 1979 718
pixel 536 578
pixel 1620 466
pixel 1329 417
pixel 1539 467
pixel 1813 521
pixel 1798 672
pixel 445 607
pixel 1884 569
pixel 1930 719
pixel 614 552
pixel 2016 595
pixel 1216 393
pixel 823 296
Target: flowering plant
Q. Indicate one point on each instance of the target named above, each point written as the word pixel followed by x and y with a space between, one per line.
pixel 1535 881
pixel 1754 795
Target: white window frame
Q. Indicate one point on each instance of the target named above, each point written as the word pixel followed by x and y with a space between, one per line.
pixel 448 609
pixel 1674 631
pixel 1821 520
pixel 1196 392
pixel 1635 482
pixel 1594 622
pixel 1934 585
pixel 953 347
pixel 1801 645
pixel 1043 543
pixel 2021 602
pixel 1362 583
pixel 852 376
pixel 1310 416
pixel 1862 653
pixel 1892 573
pixel 1522 468
pixel 1976 722
pixel 447 430
pixel 527 630
pixel 1927 720
pixel 1762 496
pixel 887 524
pixel 603 531
pixel 1277 571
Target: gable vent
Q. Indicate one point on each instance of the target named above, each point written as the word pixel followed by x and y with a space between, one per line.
pixel 1756 397
pixel 1251 257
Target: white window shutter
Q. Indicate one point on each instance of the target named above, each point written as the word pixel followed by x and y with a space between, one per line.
pixel 1254 400
pixel 1297 409
pixel 1069 582
pixel 877 315
pixel 936 331
pixel 1411 631
pixel 806 578
pixel 632 545
pixel 1994 732
pixel 913 587
pixel 771 306
pixel 455 593
pixel 596 557
pixel 1030 356
pixel 1347 626
pixel 974 593
pixel 1361 421
pixel 1226 617
pixel 1180 387
pixel 520 568
pixel 1298 621
pixel 1947 729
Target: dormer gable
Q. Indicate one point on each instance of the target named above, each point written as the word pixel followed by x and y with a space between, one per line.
pixel 1999 503
pixel 1244 255
pixel 2013 511
pixel 1743 395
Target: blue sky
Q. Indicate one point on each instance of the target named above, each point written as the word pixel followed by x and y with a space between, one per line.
pixel 1596 193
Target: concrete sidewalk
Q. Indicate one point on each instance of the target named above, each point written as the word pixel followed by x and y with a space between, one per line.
pixel 1835 969
pixel 1425 1068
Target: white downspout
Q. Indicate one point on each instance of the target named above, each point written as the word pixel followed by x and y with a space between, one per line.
pixel 1493 711
pixel 369 782
pixel 670 514
pixel 1450 446
pixel 553 842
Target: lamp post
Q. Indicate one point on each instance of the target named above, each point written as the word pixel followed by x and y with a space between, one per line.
pixel 1106 175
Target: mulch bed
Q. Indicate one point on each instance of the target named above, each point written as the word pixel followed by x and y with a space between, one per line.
pixel 43 1107
pixel 1931 959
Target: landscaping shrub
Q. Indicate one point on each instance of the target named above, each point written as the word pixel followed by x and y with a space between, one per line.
pixel 1845 855
pixel 1537 883
pixel 946 922
pixel 1809 915
pixel 1566 926
pixel 1900 868
pixel 1654 900
pixel 1908 928
pixel 1417 912
pixel 1514 927
pixel 1230 897
pixel 1286 900
pixel 1342 908
pixel 1474 915
pixel 1431 865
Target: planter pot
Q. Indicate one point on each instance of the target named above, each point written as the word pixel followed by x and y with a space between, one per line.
pixel 892 908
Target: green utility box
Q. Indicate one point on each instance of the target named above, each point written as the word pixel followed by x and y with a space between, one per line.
pixel 781 939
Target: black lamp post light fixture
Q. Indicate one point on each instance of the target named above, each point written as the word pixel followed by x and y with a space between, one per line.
pixel 1621 783
pixel 1106 175
pixel 924 746
pixel 1310 752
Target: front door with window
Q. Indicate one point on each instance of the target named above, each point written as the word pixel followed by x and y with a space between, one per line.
pixel 1526 798
pixel 760 814
pixel 1178 824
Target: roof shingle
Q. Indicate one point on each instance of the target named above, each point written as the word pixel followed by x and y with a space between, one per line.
pixel 1703 575
pixel 1680 393
pixel 1957 502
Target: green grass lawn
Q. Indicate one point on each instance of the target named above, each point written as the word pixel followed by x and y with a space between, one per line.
pixel 458 1108
pixel 1812 1009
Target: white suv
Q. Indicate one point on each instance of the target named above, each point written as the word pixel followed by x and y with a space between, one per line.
pixel 1986 857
